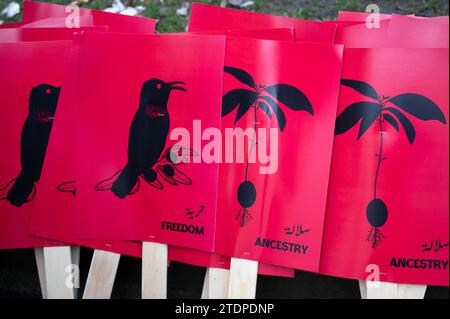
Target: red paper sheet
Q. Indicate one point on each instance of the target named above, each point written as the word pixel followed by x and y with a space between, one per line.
pixel 53 214
pixel 280 34
pixel 205 259
pixel 413 32
pixel 32 74
pixel 388 200
pixel 359 36
pixel 212 18
pixel 34 11
pixel 359 16
pixel 43 34
pixel 178 207
pixel 278 218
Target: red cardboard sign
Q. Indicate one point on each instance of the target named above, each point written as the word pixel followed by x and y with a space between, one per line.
pixel 126 190
pixel 43 34
pixel 277 218
pixel 387 210
pixel 53 214
pixel 34 11
pixel 360 36
pixel 32 74
pixel 212 18
pixel 413 32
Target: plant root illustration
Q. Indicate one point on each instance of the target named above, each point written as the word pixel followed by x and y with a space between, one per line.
pixel 267 99
pixel 384 109
pixel 147 139
pixel 33 144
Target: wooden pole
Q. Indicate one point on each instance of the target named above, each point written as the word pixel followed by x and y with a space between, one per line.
pixel 154 270
pixel 102 274
pixel 386 290
pixel 216 283
pixel 59 282
pixel 243 278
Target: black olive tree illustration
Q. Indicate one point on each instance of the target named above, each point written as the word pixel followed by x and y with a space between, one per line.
pixel 390 110
pixel 267 99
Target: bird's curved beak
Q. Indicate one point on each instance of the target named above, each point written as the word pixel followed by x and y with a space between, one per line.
pixel 173 86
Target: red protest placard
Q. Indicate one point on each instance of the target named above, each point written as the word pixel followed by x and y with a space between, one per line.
pixel 53 214
pixel 34 11
pixel 413 32
pixel 30 87
pixel 272 194
pixel 212 18
pixel 387 210
pixel 280 34
pixel 165 91
pixel 43 34
pixel 361 36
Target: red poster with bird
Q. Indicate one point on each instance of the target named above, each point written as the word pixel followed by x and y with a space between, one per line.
pixel 30 85
pixel 387 210
pixel 279 120
pixel 143 124
pixel 53 214
pixel 212 18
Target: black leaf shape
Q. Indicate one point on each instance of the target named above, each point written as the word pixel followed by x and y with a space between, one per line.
pixel 233 98
pixel 290 96
pixel 391 120
pixel 263 106
pixel 248 100
pixel 281 118
pixel 406 123
pixel 367 111
pixel 419 106
pixel 241 75
pixel 362 87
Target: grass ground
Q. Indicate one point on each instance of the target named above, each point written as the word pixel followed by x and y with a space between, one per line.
pixel 169 21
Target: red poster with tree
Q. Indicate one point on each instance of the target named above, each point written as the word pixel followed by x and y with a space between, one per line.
pixel 272 194
pixel 387 210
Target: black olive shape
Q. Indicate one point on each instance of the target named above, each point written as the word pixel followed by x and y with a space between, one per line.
pixel 377 213
pixel 168 170
pixel 151 175
pixel 246 194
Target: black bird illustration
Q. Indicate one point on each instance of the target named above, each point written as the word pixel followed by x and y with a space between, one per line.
pixel 33 144
pixel 147 139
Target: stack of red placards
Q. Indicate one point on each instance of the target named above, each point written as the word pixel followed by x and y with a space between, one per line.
pixel 319 146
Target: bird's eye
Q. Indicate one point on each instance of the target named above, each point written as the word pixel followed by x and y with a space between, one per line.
pixel 48 91
pixel 158 86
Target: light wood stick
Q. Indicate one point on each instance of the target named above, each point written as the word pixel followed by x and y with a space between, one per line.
pixel 216 283
pixel 243 278
pixel 39 255
pixel 59 284
pixel 154 270
pixel 386 290
pixel 102 274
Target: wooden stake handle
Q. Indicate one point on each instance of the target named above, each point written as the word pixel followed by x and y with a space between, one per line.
pixel 243 278
pixel 59 279
pixel 216 283
pixel 102 274
pixel 154 270
pixel 386 290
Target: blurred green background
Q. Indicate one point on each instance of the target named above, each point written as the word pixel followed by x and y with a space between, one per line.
pixel 172 18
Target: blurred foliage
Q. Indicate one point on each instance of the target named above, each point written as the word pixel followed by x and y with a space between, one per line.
pixel 169 21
